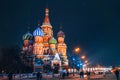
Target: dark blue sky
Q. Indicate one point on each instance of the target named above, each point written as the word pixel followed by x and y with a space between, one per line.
pixel 94 25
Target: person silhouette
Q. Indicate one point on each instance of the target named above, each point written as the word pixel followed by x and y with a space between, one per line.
pixel 10 76
pixel 88 74
pixel 81 74
pixel 63 73
pixel 117 74
pixel 38 75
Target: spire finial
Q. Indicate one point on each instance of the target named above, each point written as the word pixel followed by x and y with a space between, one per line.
pixel 47 11
pixel 38 22
pixel 28 27
pixel 61 26
pixel 46 5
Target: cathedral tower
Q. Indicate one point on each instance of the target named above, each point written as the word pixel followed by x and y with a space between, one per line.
pixel 61 47
pixel 27 43
pixel 47 51
pixel 38 49
pixel 46 26
pixel 47 30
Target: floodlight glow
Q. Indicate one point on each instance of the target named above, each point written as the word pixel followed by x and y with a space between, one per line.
pixel 81 64
pixel 73 59
pixel 78 65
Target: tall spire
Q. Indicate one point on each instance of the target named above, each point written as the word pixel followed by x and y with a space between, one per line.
pixel 46 11
pixel 46 19
pixel 46 22
pixel 38 23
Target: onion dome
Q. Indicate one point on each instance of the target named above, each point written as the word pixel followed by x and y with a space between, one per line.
pixel 60 34
pixel 27 36
pixel 52 41
pixel 38 32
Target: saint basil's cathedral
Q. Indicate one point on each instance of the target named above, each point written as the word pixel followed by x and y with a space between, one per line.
pixel 42 49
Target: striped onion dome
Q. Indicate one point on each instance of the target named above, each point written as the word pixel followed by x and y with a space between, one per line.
pixel 38 32
pixel 60 34
pixel 52 41
pixel 27 36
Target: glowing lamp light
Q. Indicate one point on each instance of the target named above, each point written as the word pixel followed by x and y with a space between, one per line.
pixel 83 57
pixel 77 50
pixel 86 61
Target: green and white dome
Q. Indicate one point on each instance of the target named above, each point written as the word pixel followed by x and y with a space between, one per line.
pixel 27 36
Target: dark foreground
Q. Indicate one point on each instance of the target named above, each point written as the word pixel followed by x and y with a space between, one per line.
pixel 57 77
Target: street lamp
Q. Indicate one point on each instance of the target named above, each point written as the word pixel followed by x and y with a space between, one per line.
pixel 86 61
pixel 76 50
pixel 83 57
pixel 73 60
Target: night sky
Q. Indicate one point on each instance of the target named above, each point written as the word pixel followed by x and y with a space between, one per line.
pixel 94 25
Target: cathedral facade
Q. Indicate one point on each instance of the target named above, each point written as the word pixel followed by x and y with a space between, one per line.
pixel 42 48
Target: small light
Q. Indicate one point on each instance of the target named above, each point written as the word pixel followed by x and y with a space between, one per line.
pixel 81 64
pixel 83 57
pixel 78 65
pixel 73 59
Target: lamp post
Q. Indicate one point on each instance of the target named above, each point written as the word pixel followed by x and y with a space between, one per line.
pixel 73 60
pixel 76 50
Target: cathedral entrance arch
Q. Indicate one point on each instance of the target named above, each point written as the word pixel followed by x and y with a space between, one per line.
pixel 56 65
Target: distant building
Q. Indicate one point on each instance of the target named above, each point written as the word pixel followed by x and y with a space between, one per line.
pixel 42 49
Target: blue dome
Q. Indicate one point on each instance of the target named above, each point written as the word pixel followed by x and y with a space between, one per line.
pixel 27 36
pixel 38 32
